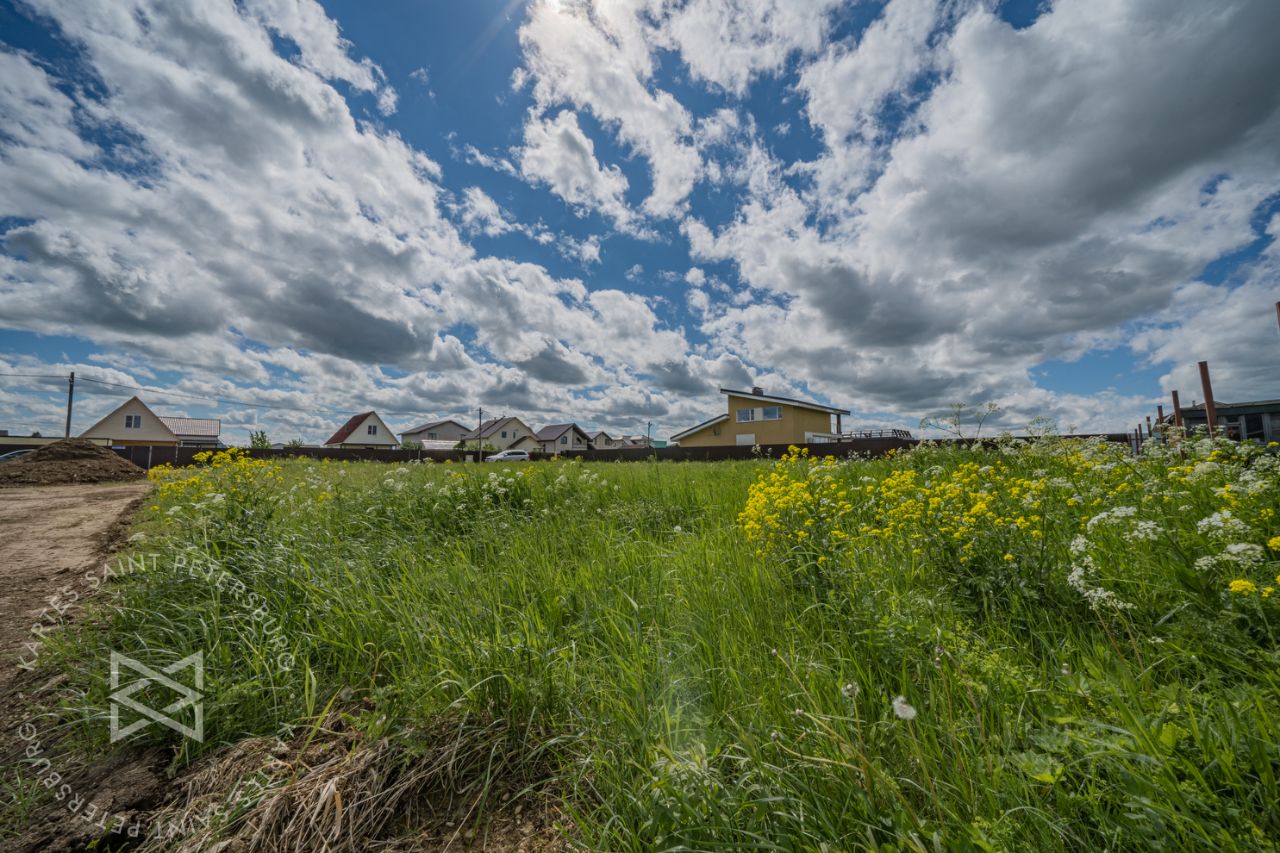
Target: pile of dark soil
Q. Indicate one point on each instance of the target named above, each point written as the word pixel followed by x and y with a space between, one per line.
pixel 71 460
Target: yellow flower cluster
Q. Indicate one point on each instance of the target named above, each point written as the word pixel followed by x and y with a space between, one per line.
pixel 217 476
pixel 798 503
pixel 1241 586
pixel 958 506
pixel 804 501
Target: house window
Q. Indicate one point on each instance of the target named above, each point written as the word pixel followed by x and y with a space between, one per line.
pixel 564 439
pixel 373 429
pixel 746 415
pixel 133 421
pixel 771 413
pixel 504 433
pixel 431 436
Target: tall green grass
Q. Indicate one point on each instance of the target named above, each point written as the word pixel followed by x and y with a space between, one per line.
pixel 611 627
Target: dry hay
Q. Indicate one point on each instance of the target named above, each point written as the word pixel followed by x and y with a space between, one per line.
pixel 341 792
pixel 69 460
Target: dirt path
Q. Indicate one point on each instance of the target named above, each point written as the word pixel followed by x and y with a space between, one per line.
pixel 49 537
pixel 52 540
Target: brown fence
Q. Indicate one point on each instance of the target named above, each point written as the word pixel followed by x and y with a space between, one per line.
pixel 858 446
pixel 149 457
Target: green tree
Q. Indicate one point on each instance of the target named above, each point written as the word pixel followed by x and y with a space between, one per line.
pixel 258 439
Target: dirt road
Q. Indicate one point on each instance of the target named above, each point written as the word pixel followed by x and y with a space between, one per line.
pixel 49 537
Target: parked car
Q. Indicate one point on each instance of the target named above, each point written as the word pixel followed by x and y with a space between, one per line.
pixel 14 454
pixel 509 456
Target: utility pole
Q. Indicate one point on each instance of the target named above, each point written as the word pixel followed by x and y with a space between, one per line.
pixel 1210 410
pixel 648 434
pixel 71 390
pixel 479 433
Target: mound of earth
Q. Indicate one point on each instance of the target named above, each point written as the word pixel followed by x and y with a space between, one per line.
pixel 71 460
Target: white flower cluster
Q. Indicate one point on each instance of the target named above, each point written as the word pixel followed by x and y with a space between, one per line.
pixel 1205 470
pixel 1111 515
pixel 1245 554
pixel 1146 531
pixel 1098 597
pixel 1222 526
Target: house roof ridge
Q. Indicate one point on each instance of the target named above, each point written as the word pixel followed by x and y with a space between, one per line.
pixel 792 401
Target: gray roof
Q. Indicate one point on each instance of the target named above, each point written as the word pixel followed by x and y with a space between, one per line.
pixel 432 425
pixel 691 430
pixel 790 401
pixel 208 427
pixel 1268 405
pixel 554 431
pixel 489 427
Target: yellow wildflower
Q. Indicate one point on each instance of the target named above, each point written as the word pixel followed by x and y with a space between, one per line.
pixel 1242 587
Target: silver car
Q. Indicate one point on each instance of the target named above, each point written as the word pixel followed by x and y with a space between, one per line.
pixel 509 456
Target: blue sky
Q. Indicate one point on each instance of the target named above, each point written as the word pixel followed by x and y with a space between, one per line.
pixel 604 212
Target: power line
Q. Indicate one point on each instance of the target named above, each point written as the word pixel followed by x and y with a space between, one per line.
pixel 231 401
pixel 226 401
pixel 223 400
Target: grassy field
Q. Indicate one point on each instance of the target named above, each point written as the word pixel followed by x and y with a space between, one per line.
pixel 1047 646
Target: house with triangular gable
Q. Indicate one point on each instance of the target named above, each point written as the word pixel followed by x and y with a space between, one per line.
pixel 365 430
pixel 133 423
pixel 557 438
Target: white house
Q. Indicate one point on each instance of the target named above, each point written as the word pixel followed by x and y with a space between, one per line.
pixel 365 430
pixel 558 438
pixel 133 423
pixel 504 434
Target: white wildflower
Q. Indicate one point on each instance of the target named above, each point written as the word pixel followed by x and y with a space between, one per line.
pixel 1222 526
pixel 902 709
pixel 1098 597
pixel 1204 471
pixel 1146 531
pixel 1245 553
pixel 1206 563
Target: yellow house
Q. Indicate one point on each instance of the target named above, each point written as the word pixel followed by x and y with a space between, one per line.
pixel 756 418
